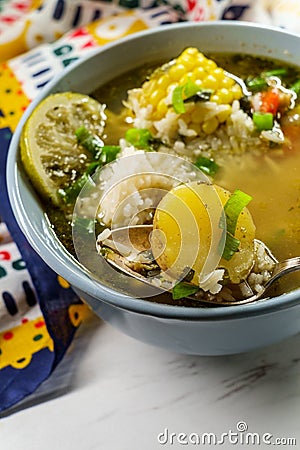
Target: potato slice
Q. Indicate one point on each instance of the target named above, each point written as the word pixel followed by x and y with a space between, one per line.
pixel 187 233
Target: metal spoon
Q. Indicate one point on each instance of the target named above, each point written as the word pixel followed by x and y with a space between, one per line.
pixel 137 237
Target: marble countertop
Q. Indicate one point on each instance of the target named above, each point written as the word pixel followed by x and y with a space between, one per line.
pixel 114 393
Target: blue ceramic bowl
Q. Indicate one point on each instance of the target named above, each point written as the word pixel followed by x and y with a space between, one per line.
pixel 212 331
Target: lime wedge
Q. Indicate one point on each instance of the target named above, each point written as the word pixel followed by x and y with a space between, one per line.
pixel 50 153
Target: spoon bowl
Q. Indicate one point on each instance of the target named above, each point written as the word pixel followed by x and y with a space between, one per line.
pixel 131 244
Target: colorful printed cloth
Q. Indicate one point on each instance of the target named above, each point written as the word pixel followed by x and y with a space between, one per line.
pixel 39 313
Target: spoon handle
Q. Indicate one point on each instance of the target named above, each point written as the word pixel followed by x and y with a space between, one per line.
pixel 282 268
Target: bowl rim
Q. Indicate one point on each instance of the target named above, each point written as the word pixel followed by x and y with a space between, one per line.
pixel 72 272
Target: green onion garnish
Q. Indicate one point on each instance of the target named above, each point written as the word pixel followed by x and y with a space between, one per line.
pixel 256 84
pixel 89 141
pixel 139 138
pixel 102 154
pixel 93 144
pixel 207 166
pixel 261 82
pixel 263 121
pixel 109 153
pixel 183 289
pixel 275 73
pixel 231 246
pixel 177 100
pixel 185 92
pixel 70 193
pixel 232 209
pixel 296 87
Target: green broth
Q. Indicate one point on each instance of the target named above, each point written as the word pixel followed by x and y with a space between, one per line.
pixel 272 179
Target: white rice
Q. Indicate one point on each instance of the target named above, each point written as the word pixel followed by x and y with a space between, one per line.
pixel 135 183
pixel 133 187
pixel 235 136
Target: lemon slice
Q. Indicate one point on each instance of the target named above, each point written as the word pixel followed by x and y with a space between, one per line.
pixel 50 153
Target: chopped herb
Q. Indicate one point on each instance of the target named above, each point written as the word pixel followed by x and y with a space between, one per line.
pixel 89 141
pixel 280 73
pixel 102 154
pixel 70 193
pixel 93 144
pixel 263 120
pixel 191 88
pixel 231 246
pixel 208 166
pixel 189 91
pixel 139 137
pixel 109 153
pixel 232 209
pixel 183 289
pixel 261 82
pixel 177 100
pixel 296 87
pixel 256 84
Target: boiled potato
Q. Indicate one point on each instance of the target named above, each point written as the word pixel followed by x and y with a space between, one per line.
pixel 187 233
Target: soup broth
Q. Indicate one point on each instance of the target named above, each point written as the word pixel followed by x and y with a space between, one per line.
pixel 272 178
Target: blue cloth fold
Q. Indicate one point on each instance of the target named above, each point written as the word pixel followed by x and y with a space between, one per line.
pixel 54 301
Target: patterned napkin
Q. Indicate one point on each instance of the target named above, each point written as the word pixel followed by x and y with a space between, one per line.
pixel 39 313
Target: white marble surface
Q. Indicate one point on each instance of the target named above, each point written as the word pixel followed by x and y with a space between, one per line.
pixel 115 393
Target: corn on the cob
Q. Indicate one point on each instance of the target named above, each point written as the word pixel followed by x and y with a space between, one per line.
pixel 152 103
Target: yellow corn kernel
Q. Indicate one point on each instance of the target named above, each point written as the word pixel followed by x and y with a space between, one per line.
pixel 225 95
pixel 209 126
pixel 144 99
pixel 177 71
pixel 236 92
pixel 199 73
pixel 227 82
pixel 223 115
pixel 215 98
pixel 189 61
pixel 218 73
pixel 156 96
pixel 163 82
pixel 196 127
pixel 191 66
pixel 186 117
pixel 172 86
pixel 210 82
pixel 199 83
pixel 149 86
pixel 189 76
pixel 210 65
pixel 193 51
pixel 200 60
pixel 162 108
pixel 156 116
pixel 197 115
